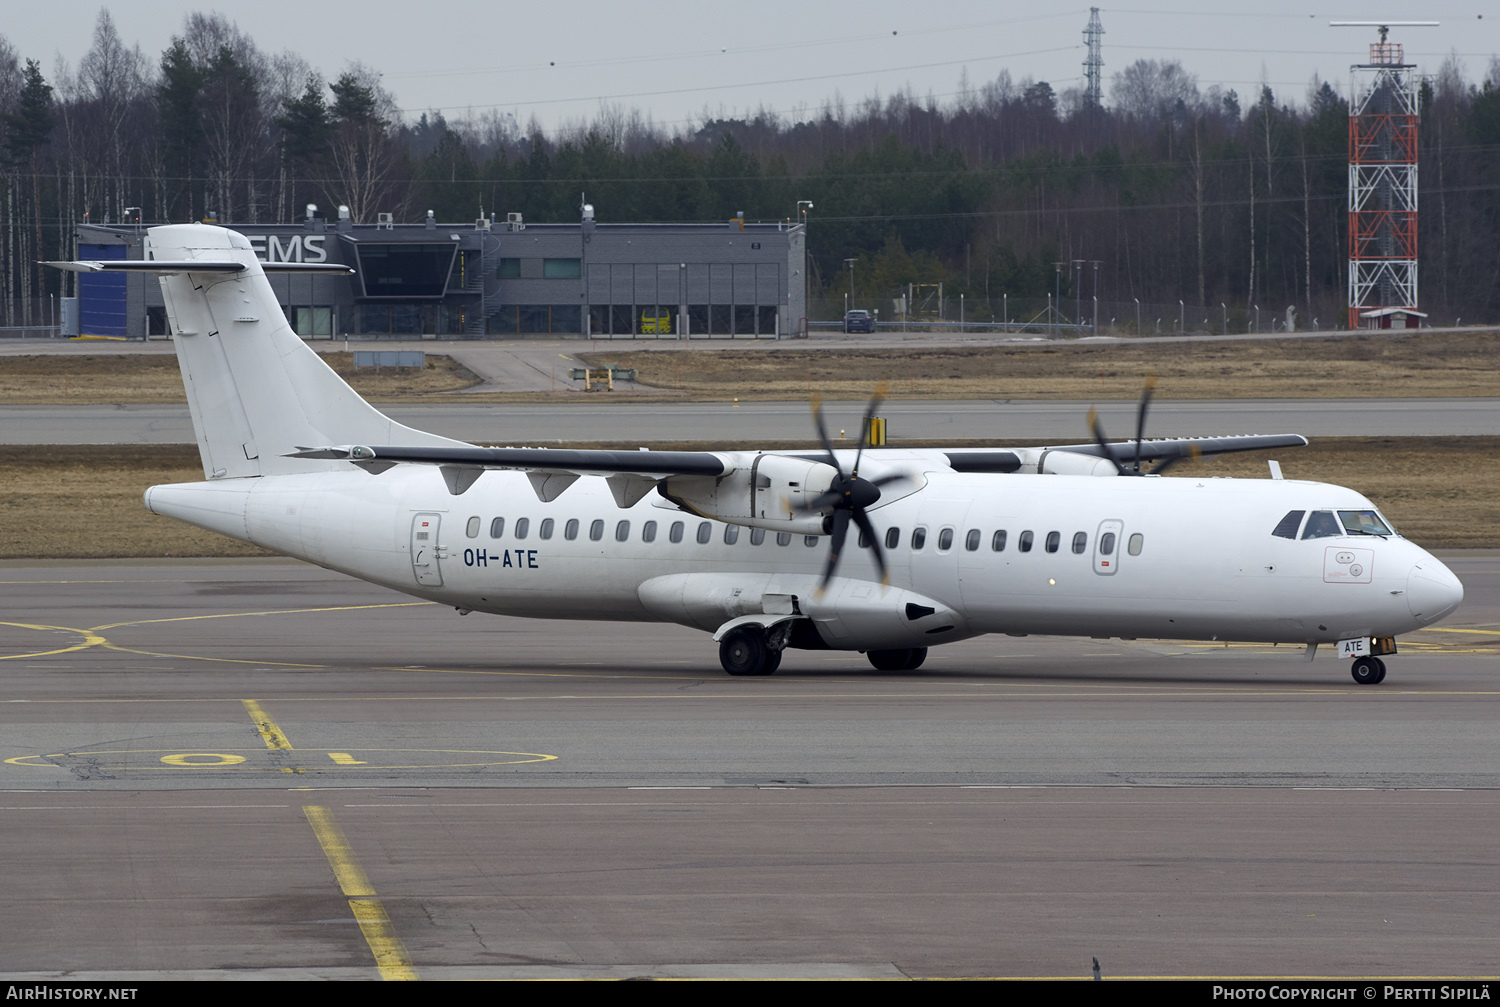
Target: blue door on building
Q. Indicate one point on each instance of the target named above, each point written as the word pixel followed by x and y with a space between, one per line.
pixel 101 296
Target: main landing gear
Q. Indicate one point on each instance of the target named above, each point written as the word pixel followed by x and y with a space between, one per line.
pixel 744 651
pixel 1368 670
pixel 909 659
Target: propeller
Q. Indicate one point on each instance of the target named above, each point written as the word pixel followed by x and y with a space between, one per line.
pixel 848 496
pixel 1134 469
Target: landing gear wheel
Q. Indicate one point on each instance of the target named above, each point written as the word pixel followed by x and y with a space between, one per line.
pixel 744 652
pixel 892 660
pixel 1368 670
pixel 918 655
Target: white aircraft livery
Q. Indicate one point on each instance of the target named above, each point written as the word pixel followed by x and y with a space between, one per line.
pixel 750 545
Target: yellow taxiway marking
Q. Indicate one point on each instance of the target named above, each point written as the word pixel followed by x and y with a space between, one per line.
pixel 390 953
pixel 192 760
pixel 277 611
pixel 90 639
pixel 345 759
pixel 270 732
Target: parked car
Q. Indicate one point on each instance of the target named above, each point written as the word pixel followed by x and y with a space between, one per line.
pixel 858 321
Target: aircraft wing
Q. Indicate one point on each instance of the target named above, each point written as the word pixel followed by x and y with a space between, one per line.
pixel 1181 447
pixel 645 463
pixel 159 266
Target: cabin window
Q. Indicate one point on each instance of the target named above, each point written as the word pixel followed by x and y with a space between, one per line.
pixel 864 540
pixel 892 538
pixel 570 530
pixel 1054 539
pixel 971 540
pixel 1107 544
pixel 545 531
pixel 731 534
pixel 757 536
pixel 1024 542
pixel 810 540
pixel 1321 524
pixel 675 532
pixel 1288 526
pixel 997 541
pixel 473 527
pixel 523 525
pixel 1134 545
pixel 918 538
pixel 1363 522
pixel 945 540
pixel 622 531
pixel 705 532
pixel 783 538
pixel 497 527
pixel 648 531
pixel 1080 543
pixel 596 531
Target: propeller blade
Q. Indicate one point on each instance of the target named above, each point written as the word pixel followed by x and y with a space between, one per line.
pixel 864 432
pixel 1109 452
pixel 863 523
pixel 817 411
pixel 1194 453
pixel 1140 421
pixel 822 501
pixel 836 546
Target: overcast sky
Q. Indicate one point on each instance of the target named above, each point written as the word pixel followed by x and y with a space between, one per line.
pixel 676 60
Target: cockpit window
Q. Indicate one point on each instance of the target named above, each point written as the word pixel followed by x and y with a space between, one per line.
pixel 1289 524
pixel 1321 524
pixel 1363 522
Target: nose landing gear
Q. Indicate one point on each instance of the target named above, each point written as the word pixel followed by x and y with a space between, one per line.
pixel 1368 670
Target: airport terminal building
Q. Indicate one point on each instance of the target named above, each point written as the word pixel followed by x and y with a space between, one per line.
pixel 490 279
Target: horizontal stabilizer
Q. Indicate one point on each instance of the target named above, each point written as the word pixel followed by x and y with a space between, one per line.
pixel 168 267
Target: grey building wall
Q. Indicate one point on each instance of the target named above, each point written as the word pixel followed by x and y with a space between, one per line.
pixel 621 281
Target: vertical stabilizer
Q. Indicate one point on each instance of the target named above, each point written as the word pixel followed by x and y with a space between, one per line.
pixel 255 389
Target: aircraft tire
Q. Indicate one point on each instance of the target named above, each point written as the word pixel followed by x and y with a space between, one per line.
pixel 890 660
pixel 743 652
pixel 918 655
pixel 773 661
pixel 1380 670
pixel 1366 670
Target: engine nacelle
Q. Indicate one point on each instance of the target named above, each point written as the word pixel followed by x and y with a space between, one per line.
pixel 764 492
pixel 1051 461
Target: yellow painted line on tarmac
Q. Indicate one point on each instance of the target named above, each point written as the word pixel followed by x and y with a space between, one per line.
pixel 1446 629
pixel 270 732
pixel 90 639
pixel 390 953
pixel 279 611
pixel 198 657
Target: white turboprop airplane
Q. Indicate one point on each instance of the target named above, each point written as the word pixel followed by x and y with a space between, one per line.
pixel 746 544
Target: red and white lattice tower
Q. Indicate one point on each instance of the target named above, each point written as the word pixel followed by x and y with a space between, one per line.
pixel 1382 181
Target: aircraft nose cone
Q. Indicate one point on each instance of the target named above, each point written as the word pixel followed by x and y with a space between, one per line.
pixel 1432 591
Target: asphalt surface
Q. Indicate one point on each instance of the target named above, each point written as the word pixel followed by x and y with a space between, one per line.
pixel 265 769
pixel 996 420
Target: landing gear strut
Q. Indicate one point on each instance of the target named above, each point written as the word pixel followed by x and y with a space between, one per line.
pixel 1368 670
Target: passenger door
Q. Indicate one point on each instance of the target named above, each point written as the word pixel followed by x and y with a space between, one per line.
pixel 424 549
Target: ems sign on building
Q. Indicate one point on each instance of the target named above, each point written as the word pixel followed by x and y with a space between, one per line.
pixel 495 279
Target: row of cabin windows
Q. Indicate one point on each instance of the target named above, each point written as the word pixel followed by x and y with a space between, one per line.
pixel 1025 541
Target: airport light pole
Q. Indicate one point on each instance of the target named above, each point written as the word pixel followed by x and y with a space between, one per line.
pixel 806 289
pixel 1137 316
pixel 851 281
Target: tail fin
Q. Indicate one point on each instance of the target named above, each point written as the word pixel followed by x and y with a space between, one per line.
pixel 255 389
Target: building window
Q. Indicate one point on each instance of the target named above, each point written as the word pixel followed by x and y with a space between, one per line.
pixel 562 269
pixel 510 269
pixel 767 320
pixel 744 319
